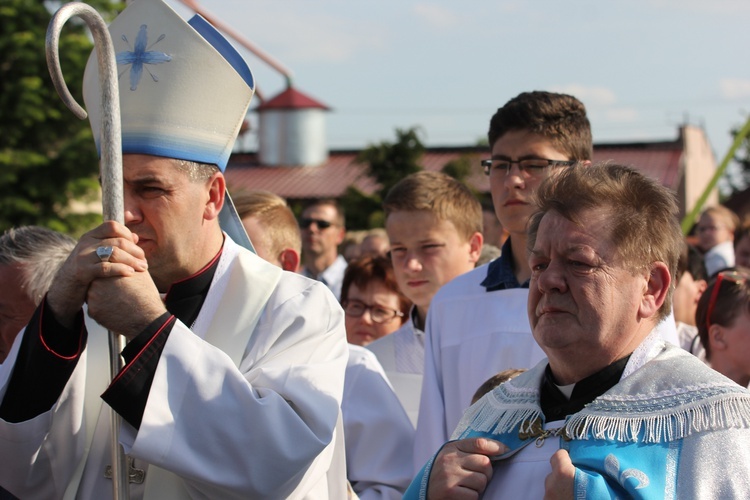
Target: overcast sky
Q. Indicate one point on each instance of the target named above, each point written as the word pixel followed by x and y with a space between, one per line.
pixel 641 67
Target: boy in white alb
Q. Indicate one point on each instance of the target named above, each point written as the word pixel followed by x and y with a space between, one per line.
pixel 434 224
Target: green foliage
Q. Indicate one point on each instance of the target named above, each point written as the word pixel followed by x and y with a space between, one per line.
pixel 460 168
pixel 362 211
pixel 390 162
pixel 742 157
pixel 47 155
pixel 387 163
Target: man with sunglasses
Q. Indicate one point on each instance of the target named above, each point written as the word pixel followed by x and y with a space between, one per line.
pixel 323 230
pixel 614 411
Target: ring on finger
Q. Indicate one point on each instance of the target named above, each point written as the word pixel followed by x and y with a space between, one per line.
pixel 104 253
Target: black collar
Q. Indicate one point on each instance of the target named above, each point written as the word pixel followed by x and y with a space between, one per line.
pixel 185 297
pixel 556 406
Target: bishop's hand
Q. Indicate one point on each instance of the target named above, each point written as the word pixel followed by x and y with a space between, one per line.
pixel 70 287
pixel 125 304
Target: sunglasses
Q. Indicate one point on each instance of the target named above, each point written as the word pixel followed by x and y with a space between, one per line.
pixel 732 276
pixel 322 224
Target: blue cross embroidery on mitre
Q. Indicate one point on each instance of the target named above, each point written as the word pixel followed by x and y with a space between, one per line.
pixel 140 56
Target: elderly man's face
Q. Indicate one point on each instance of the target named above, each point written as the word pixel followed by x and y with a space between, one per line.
pixel 583 303
pixel 16 307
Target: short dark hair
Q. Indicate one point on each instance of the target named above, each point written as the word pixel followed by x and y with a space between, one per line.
pixel 731 299
pixel 691 261
pixel 331 202
pixel 561 118
pixel 644 214
pixel 369 269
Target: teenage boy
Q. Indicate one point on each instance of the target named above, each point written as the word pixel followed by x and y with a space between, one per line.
pixel 477 324
pixel 434 224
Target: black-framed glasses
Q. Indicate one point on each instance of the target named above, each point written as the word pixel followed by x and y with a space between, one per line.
pixel 734 277
pixel 531 167
pixel 322 224
pixel 378 314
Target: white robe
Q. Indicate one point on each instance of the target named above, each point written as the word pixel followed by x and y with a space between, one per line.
pixel 664 431
pixel 471 335
pixel 265 429
pixel 379 437
pixel 719 257
pixel 401 355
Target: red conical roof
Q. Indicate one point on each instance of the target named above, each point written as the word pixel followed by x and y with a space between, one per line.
pixel 291 99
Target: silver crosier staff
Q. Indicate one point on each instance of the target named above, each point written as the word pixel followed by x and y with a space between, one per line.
pixel 111 171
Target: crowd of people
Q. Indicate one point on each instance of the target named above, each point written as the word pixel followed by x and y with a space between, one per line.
pixel 414 361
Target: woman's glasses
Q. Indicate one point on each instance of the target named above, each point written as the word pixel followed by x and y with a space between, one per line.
pixel 378 314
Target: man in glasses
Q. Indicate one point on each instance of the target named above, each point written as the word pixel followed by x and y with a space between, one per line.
pixel 476 324
pixel 323 230
pixel 614 411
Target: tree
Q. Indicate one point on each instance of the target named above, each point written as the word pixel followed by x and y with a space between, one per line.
pixel 460 168
pixel 47 155
pixel 387 163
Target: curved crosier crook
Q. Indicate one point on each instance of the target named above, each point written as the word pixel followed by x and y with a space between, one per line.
pixel 110 166
pixel 111 139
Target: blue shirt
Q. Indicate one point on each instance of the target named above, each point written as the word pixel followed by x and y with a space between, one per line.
pixel 500 275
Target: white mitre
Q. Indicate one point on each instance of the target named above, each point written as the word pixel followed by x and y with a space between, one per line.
pixel 184 90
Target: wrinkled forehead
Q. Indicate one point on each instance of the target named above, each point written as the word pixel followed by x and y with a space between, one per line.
pixel 590 227
pixel 588 219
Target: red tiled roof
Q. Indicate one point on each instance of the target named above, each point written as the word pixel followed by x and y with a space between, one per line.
pixel 291 98
pixel 660 160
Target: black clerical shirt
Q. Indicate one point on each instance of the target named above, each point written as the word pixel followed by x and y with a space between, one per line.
pixel 49 353
pixel 556 406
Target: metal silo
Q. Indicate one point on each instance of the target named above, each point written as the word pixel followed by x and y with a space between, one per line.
pixel 291 130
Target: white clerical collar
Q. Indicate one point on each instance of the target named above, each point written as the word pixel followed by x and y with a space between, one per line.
pixel 566 390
